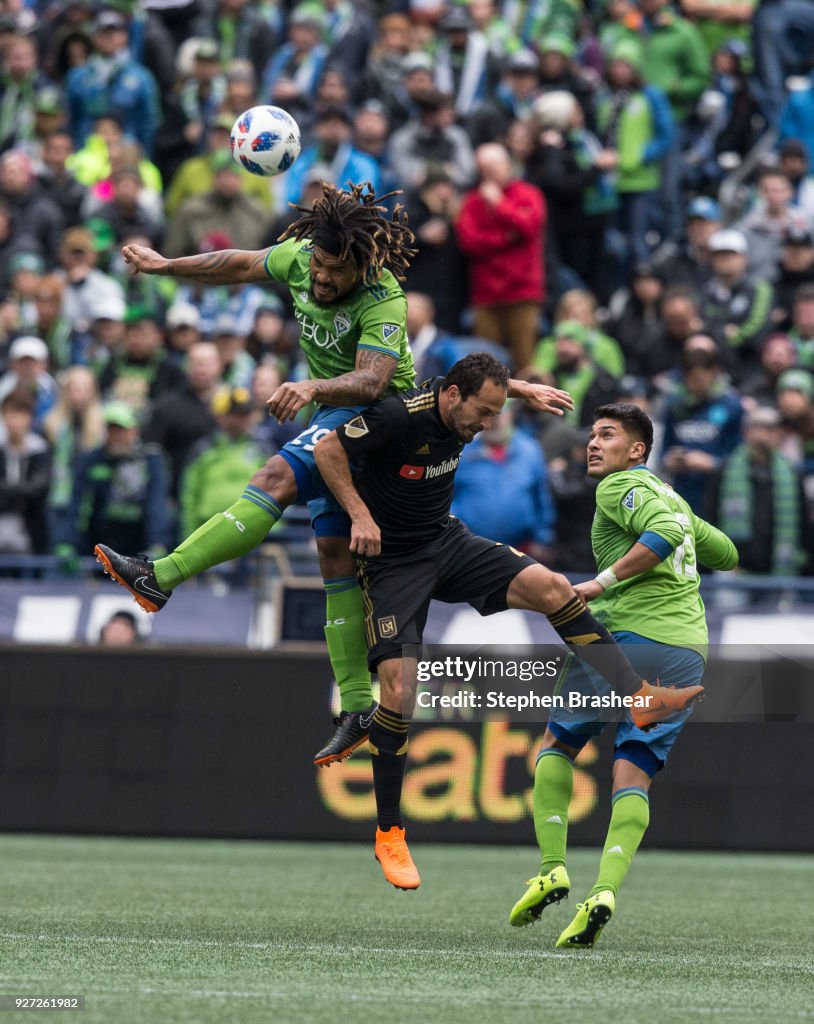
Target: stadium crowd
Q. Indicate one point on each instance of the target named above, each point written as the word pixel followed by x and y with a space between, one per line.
pixel 567 169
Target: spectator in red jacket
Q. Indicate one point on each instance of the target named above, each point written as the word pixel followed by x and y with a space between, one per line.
pixel 501 230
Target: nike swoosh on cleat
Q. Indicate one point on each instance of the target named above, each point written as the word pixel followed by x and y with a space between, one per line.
pixel 366 722
pixel 140 585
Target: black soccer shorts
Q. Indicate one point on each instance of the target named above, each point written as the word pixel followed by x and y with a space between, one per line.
pixel 457 567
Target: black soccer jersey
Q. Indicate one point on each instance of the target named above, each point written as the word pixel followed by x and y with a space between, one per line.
pixel 404 461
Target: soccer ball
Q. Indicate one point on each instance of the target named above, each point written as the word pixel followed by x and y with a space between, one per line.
pixel 265 140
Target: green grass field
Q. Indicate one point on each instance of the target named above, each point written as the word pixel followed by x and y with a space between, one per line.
pixel 199 932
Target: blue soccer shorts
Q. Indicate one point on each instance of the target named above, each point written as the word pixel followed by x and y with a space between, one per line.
pixel 328 518
pixel 671 666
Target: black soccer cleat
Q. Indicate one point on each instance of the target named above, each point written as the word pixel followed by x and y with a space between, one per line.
pixel 352 728
pixel 136 575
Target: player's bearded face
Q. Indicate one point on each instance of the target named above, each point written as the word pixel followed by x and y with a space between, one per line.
pixel 469 416
pixel 331 278
pixel 611 449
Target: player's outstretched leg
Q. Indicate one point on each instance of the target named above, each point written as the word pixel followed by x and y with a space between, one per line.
pixel 590 919
pixel 347 648
pixel 538 589
pixel 553 785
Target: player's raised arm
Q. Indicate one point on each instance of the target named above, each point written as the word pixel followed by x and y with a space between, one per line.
pixel 541 397
pixel 227 266
pixel 334 467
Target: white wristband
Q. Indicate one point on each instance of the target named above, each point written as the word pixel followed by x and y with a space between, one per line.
pixel 606 578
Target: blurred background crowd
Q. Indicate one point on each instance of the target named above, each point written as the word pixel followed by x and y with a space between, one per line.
pixel 613 195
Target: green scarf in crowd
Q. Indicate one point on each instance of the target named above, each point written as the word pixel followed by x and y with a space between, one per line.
pixel 737 501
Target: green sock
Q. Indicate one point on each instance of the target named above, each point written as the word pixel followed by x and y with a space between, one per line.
pixel 347 646
pixel 553 784
pixel 630 816
pixel 230 534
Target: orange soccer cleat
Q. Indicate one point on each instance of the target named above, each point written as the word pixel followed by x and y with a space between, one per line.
pixel 394 856
pixel 662 701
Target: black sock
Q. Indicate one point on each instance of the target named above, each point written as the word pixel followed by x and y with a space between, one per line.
pixel 388 747
pixel 588 639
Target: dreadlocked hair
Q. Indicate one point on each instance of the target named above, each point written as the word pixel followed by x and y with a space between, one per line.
pixel 360 223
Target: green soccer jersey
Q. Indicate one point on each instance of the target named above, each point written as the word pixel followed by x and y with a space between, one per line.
pixel 662 604
pixel 372 316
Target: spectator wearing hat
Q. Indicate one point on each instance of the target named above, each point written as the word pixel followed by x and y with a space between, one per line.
pixel 111 80
pixel 796 270
pixel 84 282
pixel 220 464
pixel 73 427
pixel 431 140
pixel 736 309
pixel 702 426
pixel 196 175
pixel 25 466
pixel 737 127
pixel 635 319
pixel 777 354
pixel 461 60
pixel 501 231
pixel 634 121
pixel 226 211
pixel 795 402
pixel 28 371
pixel 56 181
pixel 179 419
pixel 290 78
pixel 243 31
pixel 756 498
pixel 513 98
pixel 333 148
pixel 201 94
pixel 120 493
pixel 141 371
pixel 20 81
pixel 503 460
pixel 417 79
pixel 49 117
pixel 767 223
pixel 438 269
pixel 577 372
pixel 230 341
pixel 104 335
pixel 689 264
pixel 560 73
pixel 182 326
pixel 574 172
pixel 35 215
pixel 794 162
pixel 26 270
